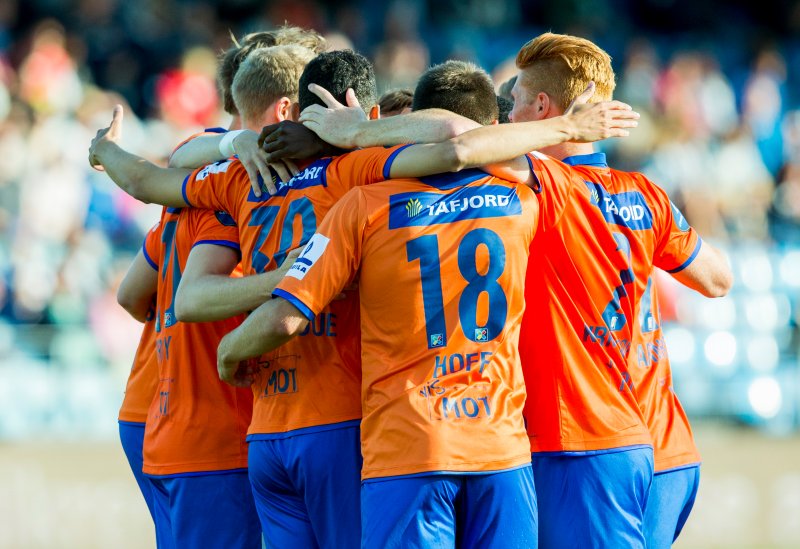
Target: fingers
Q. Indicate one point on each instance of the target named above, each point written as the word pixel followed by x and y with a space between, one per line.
pixel 282 172
pixel 252 173
pixel 350 97
pixel 325 95
pixel 116 121
pixel 585 94
pixel 291 166
pixel 266 175
pixel 266 131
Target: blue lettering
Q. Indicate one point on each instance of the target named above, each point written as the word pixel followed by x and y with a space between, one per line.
pixel 441 367
pixel 485 359
pixel 453 368
pixel 472 409
pixel 450 406
pixel 472 359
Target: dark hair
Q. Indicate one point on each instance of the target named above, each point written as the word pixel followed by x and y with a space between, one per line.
pixel 395 100
pixel 459 87
pixel 336 71
pixel 504 106
pixel 505 88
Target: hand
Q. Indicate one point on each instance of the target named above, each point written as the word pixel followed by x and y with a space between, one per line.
pixel 337 124
pixel 287 139
pixel 254 159
pixel 290 259
pixel 238 374
pixel 596 121
pixel 111 134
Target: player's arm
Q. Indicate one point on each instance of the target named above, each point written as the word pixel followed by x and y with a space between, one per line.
pixel 137 289
pixel 348 126
pixel 136 176
pixel 207 292
pixel 268 327
pixel 206 149
pixel 708 273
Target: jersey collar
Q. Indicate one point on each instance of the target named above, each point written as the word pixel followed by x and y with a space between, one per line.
pixel 595 160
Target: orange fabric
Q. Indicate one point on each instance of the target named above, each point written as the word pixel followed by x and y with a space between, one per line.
pixel 440 277
pixel 314 379
pixel 196 422
pixel 143 378
pixel 582 292
pixel 673 442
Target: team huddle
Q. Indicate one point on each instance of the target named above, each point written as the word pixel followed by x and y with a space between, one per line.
pixel 390 324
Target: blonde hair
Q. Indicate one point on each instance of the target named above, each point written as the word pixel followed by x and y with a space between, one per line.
pixel 266 75
pixel 231 59
pixel 562 66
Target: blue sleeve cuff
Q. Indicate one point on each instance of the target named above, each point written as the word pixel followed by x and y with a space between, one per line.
pixel 387 167
pixel 183 189
pixel 147 257
pixel 302 307
pixel 691 258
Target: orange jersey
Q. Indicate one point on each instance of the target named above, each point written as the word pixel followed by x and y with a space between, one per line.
pixel 143 378
pixel 673 442
pixel 196 422
pixel 582 295
pixel 313 380
pixel 440 278
pixel 670 243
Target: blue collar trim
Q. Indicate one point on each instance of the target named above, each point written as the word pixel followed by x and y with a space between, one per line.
pixel 596 160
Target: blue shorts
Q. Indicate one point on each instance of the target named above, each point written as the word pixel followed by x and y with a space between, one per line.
pixel 211 510
pixel 445 510
pixel 306 486
pixel 670 502
pixel 593 499
pixel 132 437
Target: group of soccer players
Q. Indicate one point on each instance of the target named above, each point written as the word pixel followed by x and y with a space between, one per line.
pixel 354 341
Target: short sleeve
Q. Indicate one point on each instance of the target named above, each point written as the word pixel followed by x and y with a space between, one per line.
pixel 150 245
pixel 207 131
pixel 677 244
pixel 215 228
pixel 215 187
pixel 362 167
pixel 330 259
pixel 554 184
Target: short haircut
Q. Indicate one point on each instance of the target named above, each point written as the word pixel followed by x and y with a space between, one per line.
pixel 562 66
pixel 395 100
pixel 505 88
pixel 336 71
pixel 266 75
pixel 460 87
pixel 231 59
pixel 505 106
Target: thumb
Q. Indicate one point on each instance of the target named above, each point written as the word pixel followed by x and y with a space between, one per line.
pixel 352 100
pixel 329 100
pixel 584 97
pixel 116 121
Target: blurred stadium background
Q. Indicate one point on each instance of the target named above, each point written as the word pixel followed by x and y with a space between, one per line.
pixel 718 87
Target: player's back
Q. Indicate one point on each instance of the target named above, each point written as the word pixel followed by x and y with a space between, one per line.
pixel 314 379
pixel 196 422
pixel 441 286
pixel 577 326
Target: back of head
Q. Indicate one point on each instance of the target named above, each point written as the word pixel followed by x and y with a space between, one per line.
pixel 505 106
pixel 336 71
pixel 459 87
pixel 232 58
pixel 562 66
pixel 395 101
pixel 266 75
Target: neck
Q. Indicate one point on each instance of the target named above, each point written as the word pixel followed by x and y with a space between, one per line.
pixel 564 150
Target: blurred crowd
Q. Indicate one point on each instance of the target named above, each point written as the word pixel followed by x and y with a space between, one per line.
pixel 720 126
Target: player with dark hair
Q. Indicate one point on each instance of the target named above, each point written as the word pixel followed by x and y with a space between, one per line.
pixel 395 102
pixel 457 86
pixel 504 106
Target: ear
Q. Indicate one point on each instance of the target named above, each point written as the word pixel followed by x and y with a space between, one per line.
pixel 495 122
pixel 375 112
pixel 283 109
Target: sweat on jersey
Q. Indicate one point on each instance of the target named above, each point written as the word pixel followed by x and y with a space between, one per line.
pixel 441 267
pixel 314 380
